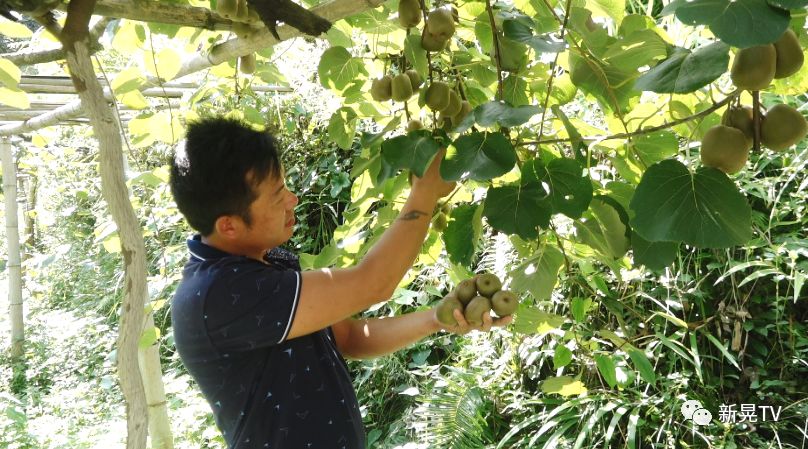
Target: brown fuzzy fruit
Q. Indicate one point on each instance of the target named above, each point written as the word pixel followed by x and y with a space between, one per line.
pixel 415 79
pixel 789 55
pixel 431 42
pixel 488 284
pixel 740 117
pixel 445 309
pixel 455 103
pixel 475 310
pixel 440 222
pixel 782 127
pixel 466 290
pixel 504 303
pixel 381 89
pixel 402 88
pixel 414 125
pixel 754 67
pixel 437 96
pixel 409 13
pixel 724 148
pixel 465 109
pixel 440 23
pixel 246 63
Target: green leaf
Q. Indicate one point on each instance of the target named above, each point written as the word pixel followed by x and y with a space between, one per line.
pixel 460 236
pixel 538 274
pixel 579 307
pixel 338 70
pixel 789 4
pixel 607 369
pixel 603 230
pixel 14 97
pixel 570 191
pixel 413 151
pixel 611 85
pixel 562 356
pixel 655 147
pixel 149 337
pixel 10 74
pixel 518 209
pixel 128 80
pixel 480 156
pixel 166 64
pixel 563 385
pixel 14 30
pixel 740 23
pixel 654 255
pixel 493 112
pixel 514 89
pixel 521 31
pixel 704 209
pixel 342 127
pixel 615 9
pixel 685 71
pixel 643 365
pixel 530 320
pixel 416 55
pixel 638 49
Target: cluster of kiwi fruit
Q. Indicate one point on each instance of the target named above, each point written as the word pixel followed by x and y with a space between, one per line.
pixel 726 146
pixel 397 88
pixel 440 218
pixel 441 97
pixel 242 16
pixel 475 296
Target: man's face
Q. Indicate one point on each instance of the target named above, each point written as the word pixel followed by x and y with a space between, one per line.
pixel 272 214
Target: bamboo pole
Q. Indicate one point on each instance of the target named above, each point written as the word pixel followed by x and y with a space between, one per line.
pixel 13 237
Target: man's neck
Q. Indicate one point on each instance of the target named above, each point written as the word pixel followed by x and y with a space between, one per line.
pixel 223 245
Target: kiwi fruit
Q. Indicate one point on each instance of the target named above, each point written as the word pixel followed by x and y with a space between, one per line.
pixel 381 89
pixel 430 42
pixel 782 126
pixel 475 310
pixel 504 303
pixel 440 23
pixel 465 290
pixel 488 284
pixel 409 13
pixel 401 87
pixel 414 125
pixel 513 55
pixel 227 8
pixel 246 63
pixel 465 109
pixel 437 96
pixel 789 55
pixel 754 67
pixel 725 148
pixel 455 103
pixel 740 117
pixel 415 79
pixel 445 309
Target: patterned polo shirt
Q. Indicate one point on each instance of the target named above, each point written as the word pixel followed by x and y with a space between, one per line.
pixel 231 316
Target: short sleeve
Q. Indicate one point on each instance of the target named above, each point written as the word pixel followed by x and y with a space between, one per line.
pixel 251 306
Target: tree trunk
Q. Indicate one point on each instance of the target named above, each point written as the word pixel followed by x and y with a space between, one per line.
pixel 144 394
pixel 13 237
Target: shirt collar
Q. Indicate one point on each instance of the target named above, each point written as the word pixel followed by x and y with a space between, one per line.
pixel 202 251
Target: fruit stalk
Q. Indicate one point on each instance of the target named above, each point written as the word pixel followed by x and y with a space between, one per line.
pixel 756 120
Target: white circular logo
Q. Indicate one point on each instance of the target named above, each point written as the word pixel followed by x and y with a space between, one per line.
pixel 690 407
pixel 702 417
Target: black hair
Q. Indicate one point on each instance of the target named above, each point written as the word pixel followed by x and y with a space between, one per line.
pixel 215 169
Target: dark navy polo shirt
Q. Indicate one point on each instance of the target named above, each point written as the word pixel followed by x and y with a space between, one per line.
pixel 231 316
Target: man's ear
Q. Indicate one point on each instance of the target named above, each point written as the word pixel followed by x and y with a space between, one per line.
pixel 228 226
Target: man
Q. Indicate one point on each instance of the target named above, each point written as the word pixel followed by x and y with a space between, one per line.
pixel 263 339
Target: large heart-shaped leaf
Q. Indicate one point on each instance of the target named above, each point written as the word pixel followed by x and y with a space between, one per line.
pixel 338 69
pixel 703 209
pixel 479 156
pixel 518 209
pixel 655 147
pixel 740 23
pixel 522 31
pixel 342 127
pixel 539 274
pixel 610 84
pixel 530 320
pixel 685 71
pixel 413 151
pixel 493 112
pixel 654 255
pixel 460 236
pixel 603 230
pixel 570 191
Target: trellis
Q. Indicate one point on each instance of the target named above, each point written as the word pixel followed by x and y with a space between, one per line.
pixel 139 371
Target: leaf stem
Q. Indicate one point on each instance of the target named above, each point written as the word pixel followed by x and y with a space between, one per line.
pixel 553 70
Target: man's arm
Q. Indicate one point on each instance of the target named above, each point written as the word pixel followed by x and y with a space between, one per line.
pixel 329 296
pixel 375 337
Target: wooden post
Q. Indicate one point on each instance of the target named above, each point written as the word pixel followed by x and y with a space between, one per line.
pixel 13 237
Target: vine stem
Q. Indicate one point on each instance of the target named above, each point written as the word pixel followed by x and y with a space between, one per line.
pixel 553 70
pixel 756 120
pixel 644 131
pixel 498 53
